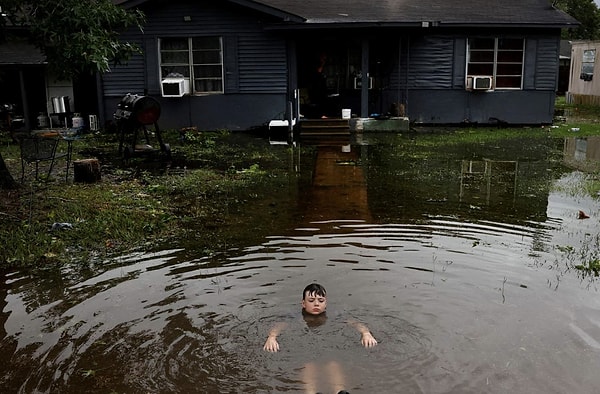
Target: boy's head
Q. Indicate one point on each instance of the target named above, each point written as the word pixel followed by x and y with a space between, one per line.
pixel 314 299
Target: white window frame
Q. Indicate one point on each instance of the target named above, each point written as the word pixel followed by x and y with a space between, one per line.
pixel 588 63
pixel 189 66
pixel 495 62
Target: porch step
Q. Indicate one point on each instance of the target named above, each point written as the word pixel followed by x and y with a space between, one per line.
pixel 326 140
pixel 324 127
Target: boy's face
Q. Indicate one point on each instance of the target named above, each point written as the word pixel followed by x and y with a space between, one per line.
pixel 314 304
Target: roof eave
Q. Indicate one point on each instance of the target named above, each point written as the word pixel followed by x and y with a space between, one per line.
pixel 283 15
pixel 541 25
pixel 414 24
pixel 23 63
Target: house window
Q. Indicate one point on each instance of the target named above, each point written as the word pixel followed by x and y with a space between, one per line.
pixel 499 58
pixel 197 59
pixel 587 65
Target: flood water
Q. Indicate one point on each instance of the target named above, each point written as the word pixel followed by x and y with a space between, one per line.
pixel 461 262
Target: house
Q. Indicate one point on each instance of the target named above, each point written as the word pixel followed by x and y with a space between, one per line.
pixel 238 64
pixel 584 79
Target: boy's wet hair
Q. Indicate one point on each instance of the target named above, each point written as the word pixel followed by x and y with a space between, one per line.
pixel 314 288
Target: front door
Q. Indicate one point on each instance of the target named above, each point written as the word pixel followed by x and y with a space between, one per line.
pixel 328 77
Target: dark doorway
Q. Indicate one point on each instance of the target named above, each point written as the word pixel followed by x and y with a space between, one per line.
pixel 35 92
pixel 11 100
pixel 85 94
pixel 327 76
pixel 24 90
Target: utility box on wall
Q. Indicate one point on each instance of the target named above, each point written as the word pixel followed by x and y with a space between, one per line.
pixel 479 82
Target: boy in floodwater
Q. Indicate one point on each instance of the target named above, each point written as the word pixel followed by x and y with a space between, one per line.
pixel 314 303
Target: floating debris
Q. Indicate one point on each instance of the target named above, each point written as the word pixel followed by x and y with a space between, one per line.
pixel 582 215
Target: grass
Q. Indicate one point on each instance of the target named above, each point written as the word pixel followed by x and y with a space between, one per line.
pixel 585 258
pixel 587 185
pixel 591 267
pixel 48 223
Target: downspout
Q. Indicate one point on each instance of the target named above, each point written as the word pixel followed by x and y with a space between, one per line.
pixel 364 91
pixel 399 72
pixel 293 103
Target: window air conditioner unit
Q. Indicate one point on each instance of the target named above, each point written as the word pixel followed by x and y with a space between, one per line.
pixel 174 87
pixel 479 82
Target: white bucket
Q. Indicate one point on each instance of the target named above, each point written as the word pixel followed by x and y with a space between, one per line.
pixel 346 113
pixel 77 121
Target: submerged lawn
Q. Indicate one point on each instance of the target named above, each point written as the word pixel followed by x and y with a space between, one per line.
pixel 142 205
pixel 214 176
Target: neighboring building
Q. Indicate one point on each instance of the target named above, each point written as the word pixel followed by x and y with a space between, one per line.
pixel 27 88
pixel 584 81
pixel 237 64
pixel 22 84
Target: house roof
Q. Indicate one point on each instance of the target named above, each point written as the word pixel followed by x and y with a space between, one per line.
pixel 455 13
pixel 440 12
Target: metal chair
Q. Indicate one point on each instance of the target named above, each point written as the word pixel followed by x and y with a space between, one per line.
pixel 36 149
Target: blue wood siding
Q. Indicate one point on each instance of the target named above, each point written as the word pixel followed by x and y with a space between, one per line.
pixel 232 69
pixel 459 63
pixel 431 63
pixel 255 69
pixel 546 73
pixel 438 62
pixel 424 63
pixel 126 78
pixel 429 78
pixel 254 60
pixel 262 64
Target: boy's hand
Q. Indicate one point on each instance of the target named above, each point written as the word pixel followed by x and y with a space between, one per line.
pixel 271 345
pixel 368 340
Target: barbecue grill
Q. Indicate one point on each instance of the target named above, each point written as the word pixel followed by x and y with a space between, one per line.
pixel 134 113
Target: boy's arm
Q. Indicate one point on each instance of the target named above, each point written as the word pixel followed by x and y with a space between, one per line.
pixel 366 338
pixel 271 344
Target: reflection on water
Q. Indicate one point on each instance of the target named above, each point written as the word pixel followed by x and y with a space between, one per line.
pixel 491 178
pixel 583 153
pixel 450 258
pixel 338 188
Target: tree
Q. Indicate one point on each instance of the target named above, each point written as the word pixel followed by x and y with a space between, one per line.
pixel 587 13
pixel 76 36
pixel 6 180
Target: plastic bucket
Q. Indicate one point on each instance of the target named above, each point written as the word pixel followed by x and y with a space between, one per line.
pixel 77 121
